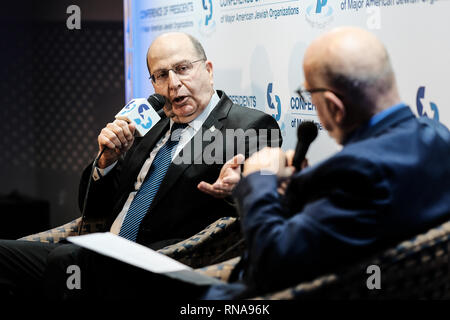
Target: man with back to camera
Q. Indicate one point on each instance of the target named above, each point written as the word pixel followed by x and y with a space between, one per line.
pixel 144 196
pixel 370 195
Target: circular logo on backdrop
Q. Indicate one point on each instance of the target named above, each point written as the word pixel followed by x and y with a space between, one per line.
pixel 431 110
pixel 319 14
pixel 274 103
pixel 207 23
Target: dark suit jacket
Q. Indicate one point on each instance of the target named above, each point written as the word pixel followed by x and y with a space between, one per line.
pixel 179 209
pixel 389 182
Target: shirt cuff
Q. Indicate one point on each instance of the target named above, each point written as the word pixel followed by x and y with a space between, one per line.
pixel 99 173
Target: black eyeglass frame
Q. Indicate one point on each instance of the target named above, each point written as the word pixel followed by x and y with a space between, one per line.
pixel 152 76
pixel 301 91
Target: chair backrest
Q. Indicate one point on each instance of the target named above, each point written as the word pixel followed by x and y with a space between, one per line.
pixel 415 269
pixel 69 229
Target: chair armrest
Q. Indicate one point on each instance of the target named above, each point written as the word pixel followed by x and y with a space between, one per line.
pixel 220 270
pixel 293 292
pixel 208 246
pixel 55 235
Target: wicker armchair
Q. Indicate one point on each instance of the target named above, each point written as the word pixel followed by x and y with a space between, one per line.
pixel 69 229
pixel 220 271
pixel 415 269
pixel 206 247
pixel 218 242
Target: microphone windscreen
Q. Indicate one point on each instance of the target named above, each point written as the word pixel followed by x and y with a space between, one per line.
pixel 307 132
pixel 157 101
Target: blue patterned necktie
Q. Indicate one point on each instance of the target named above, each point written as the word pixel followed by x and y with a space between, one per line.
pixel 145 195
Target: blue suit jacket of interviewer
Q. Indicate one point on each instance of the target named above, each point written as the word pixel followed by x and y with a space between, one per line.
pixel 390 182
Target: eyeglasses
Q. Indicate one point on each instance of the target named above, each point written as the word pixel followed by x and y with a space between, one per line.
pixel 303 93
pixel 182 69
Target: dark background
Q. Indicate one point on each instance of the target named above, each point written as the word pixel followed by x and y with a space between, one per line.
pixel 59 87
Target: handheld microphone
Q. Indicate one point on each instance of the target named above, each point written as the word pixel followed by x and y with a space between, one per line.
pixel 158 101
pixel 144 113
pixel 306 133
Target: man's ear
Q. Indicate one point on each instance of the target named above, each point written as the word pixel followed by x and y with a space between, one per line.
pixel 335 107
pixel 209 68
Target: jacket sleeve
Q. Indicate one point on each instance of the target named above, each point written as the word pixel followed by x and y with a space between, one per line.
pixel 100 200
pixel 103 193
pixel 267 133
pixel 340 223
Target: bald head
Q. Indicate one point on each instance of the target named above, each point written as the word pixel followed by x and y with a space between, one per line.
pixel 354 63
pixel 165 38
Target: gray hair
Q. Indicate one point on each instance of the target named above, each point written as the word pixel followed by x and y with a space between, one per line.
pixel 197 46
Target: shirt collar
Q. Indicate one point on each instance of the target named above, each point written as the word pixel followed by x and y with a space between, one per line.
pixel 377 118
pixel 384 114
pixel 197 123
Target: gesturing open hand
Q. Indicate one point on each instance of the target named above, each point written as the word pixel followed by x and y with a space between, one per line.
pixel 229 176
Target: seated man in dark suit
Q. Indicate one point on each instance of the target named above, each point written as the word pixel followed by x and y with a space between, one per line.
pixel 374 193
pixel 155 190
pixel 181 72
